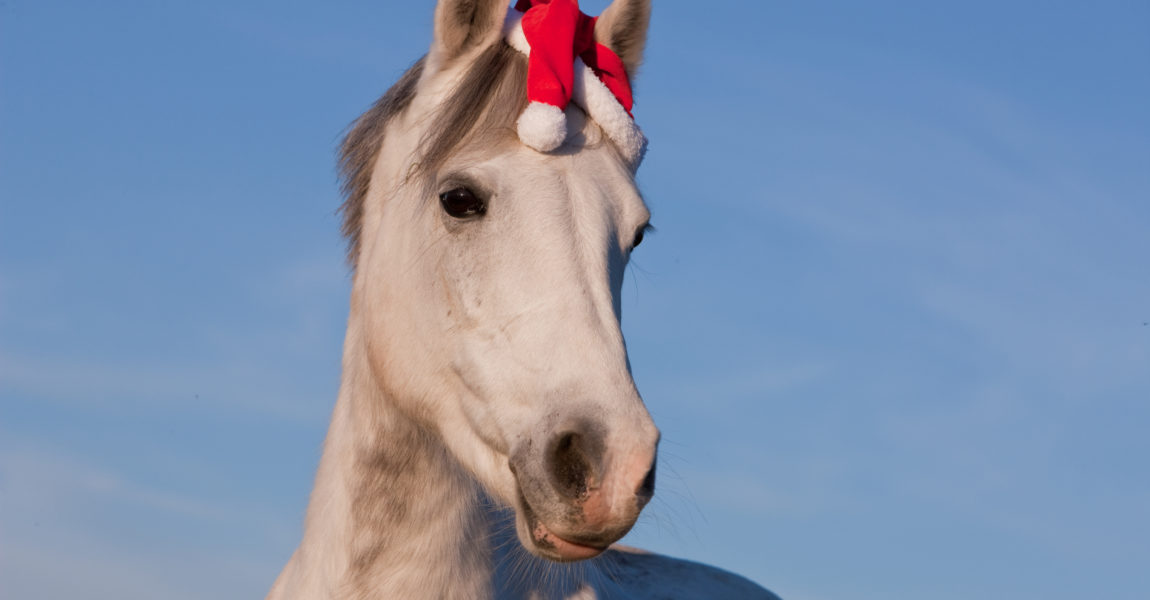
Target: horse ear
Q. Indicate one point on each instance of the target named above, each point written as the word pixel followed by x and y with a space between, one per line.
pixel 623 29
pixel 461 25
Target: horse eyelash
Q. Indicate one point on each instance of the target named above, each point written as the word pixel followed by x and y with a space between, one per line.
pixel 642 233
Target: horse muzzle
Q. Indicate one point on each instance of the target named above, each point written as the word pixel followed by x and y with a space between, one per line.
pixel 582 486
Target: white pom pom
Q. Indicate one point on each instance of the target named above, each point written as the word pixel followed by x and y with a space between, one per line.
pixel 542 126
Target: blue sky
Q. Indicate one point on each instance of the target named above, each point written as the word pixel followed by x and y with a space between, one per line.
pixel 893 324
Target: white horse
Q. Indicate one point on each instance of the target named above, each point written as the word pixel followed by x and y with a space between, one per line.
pixel 488 440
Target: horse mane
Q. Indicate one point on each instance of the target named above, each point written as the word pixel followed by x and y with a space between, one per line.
pixel 482 107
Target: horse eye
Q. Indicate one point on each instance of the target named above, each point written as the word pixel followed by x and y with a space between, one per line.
pixel 462 203
pixel 639 235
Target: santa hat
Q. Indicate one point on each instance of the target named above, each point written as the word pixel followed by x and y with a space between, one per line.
pixel 566 64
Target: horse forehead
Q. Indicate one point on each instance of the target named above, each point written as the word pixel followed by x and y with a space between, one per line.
pixel 600 174
pixel 586 184
pixel 598 164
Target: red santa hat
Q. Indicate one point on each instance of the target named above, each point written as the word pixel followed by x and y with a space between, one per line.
pixel 566 64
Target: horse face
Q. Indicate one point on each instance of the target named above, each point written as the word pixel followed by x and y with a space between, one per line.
pixel 532 287
pixel 492 288
pixel 495 320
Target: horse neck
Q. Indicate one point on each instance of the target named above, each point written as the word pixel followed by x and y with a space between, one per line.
pixel 392 515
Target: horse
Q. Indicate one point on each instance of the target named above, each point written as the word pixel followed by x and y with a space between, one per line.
pixel 487 441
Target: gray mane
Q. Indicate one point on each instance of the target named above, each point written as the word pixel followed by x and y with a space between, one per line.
pixel 485 104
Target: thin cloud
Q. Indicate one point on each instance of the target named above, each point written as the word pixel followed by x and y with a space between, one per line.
pixel 46 503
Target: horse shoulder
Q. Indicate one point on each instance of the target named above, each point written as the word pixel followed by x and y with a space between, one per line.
pixel 641 574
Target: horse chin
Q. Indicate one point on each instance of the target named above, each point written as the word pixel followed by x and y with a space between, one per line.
pixel 539 540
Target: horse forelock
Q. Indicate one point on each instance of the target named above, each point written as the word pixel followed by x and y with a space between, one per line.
pixel 483 106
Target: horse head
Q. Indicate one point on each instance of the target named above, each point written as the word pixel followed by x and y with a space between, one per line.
pixel 488 278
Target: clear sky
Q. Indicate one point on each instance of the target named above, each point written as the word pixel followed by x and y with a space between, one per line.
pixel 894 323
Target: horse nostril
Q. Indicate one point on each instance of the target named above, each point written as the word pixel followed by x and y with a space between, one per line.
pixel 570 467
pixel 647 488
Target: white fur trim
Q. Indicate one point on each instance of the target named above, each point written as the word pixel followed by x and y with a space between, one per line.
pixel 541 123
pixel 513 31
pixel 592 94
pixel 542 126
